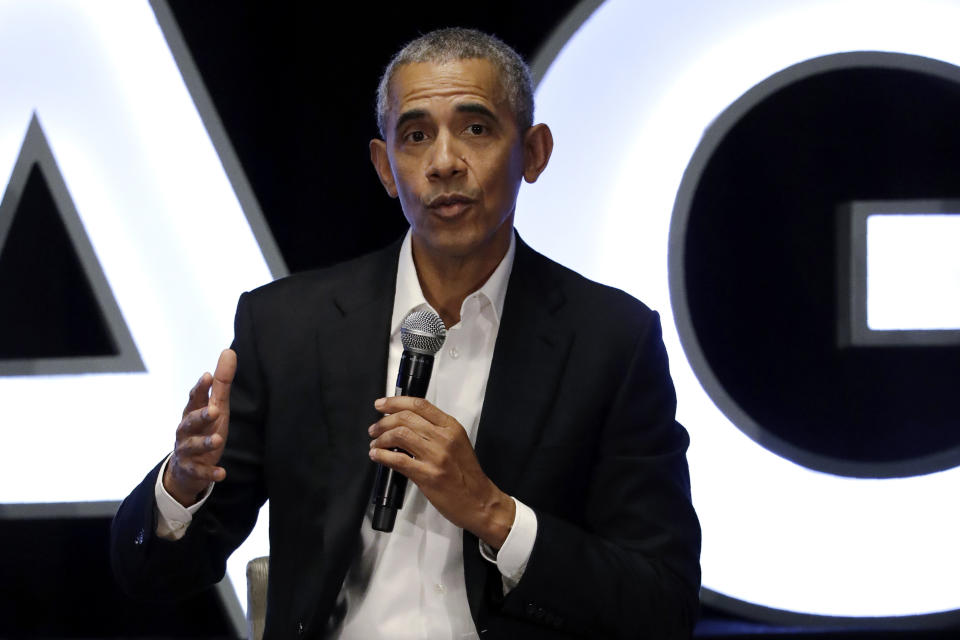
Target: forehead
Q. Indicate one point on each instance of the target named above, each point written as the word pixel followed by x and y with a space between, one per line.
pixel 421 84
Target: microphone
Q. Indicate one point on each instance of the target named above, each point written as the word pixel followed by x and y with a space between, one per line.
pixel 422 334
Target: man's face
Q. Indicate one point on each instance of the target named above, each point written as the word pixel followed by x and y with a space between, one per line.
pixel 455 156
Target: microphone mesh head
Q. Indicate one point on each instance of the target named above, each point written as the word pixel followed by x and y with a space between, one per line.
pixel 422 332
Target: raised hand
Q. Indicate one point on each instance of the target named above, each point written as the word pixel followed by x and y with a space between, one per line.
pixel 202 434
pixel 442 464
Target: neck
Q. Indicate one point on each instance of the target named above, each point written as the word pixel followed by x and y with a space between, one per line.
pixel 447 280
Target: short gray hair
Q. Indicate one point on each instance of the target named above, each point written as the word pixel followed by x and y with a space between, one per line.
pixel 446 45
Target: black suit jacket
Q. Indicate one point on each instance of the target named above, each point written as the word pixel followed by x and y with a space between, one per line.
pixel 577 422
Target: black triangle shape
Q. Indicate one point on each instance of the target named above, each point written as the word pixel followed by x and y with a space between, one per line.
pixel 57 312
pixel 49 307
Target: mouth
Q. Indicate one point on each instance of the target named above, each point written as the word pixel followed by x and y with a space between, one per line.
pixel 449 205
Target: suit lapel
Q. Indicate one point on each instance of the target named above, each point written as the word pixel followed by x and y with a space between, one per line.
pixel 352 361
pixel 528 360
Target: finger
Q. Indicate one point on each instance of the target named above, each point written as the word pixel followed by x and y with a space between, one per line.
pixel 199 445
pixel 402 419
pixel 398 461
pixel 419 406
pixel 198 395
pixel 197 472
pixel 197 422
pixel 406 439
pixel 222 379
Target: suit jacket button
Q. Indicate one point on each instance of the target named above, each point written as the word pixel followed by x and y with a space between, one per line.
pixel 300 628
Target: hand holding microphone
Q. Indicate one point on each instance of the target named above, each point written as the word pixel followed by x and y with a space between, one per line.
pixel 422 334
pixel 416 440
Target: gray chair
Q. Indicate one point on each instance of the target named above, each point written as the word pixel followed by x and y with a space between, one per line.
pixel 257 571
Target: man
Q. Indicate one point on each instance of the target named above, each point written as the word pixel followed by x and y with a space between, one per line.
pixel 549 494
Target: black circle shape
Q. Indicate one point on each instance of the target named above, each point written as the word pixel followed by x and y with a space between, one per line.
pixel 753 266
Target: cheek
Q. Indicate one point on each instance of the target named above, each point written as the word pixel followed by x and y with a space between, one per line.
pixel 503 177
pixel 410 204
pixel 404 178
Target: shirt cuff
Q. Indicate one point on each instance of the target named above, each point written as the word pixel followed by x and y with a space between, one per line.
pixel 172 517
pixel 512 558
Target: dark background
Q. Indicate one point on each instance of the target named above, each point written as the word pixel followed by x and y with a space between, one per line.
pixel 294 86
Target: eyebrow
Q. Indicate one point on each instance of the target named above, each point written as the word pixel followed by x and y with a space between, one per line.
pixel 479 109
pixel 407 116
pixel 468 107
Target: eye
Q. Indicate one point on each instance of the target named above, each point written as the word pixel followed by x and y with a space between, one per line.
pixel 416 136
pixel 477 129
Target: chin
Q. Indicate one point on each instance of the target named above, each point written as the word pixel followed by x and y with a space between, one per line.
pixel 461 242
pixel 454 247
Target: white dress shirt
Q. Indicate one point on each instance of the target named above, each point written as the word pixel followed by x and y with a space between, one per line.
pixel 409 584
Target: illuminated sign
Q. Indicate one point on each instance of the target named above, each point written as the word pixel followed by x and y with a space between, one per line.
pixel 173 237
pixel 923 293
pixel 901 285
pixel 35 155
pixel 629 98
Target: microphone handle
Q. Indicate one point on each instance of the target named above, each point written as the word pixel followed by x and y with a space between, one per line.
pixel 412 380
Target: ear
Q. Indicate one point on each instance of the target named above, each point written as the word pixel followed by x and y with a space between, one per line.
pixel 537 147
pixel 381 163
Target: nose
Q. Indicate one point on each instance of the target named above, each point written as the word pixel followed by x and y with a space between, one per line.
pixel 446 160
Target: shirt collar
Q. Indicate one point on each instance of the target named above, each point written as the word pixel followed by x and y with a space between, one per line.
pixel 409 296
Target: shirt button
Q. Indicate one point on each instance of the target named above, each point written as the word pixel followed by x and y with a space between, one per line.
pixel 440 589
pixel 454 353
pixel 176 525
